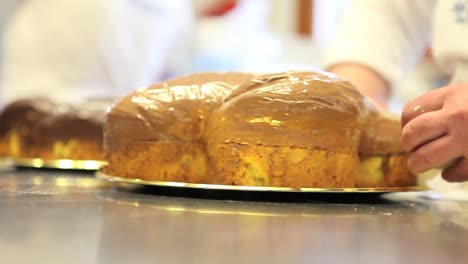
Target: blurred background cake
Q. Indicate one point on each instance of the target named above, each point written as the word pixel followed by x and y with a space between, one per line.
pixel 17 123
pixel 292 129
pixel 41 128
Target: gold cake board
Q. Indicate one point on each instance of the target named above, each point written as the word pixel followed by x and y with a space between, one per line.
pixel 202 186
pixel 63 164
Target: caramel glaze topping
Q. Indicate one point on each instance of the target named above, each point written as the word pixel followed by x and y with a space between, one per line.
pixel 381 135
pixel 299 109
pixel 302 109
pixel 174 110
pixel 41 121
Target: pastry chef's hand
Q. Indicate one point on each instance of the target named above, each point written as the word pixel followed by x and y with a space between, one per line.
pixel 435 131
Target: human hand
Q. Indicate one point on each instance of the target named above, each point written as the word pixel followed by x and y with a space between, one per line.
pixel 435 131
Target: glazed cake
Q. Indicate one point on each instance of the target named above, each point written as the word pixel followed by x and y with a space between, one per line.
pixel 40 128
pixel 275 131
pixel 293 129
pixel 18 119
pixel 158 133
pixel 383 159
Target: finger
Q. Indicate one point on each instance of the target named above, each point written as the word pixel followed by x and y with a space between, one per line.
pixel 423 129
pixel 429 102
pixel 457 172
pixel 434 154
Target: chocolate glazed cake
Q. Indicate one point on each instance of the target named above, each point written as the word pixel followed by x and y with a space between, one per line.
pixel 293 129
pixel 158 133
pixel 383 159
pixel 18 119
pixel 40 128
pixel 298 129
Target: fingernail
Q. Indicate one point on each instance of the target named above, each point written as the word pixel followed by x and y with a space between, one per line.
pixel 414 166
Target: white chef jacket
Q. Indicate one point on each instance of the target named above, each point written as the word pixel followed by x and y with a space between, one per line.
pixel 390 36
pixel 74 49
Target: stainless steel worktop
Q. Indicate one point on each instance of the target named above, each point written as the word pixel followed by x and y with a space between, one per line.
pixel 60 217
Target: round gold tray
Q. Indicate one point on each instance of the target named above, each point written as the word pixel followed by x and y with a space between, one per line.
pixel 64 164
pixel 203 186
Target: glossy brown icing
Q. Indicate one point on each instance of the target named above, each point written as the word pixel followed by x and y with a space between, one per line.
pixel 300 109
pixel 173 110
pixel 85 118
pixel 381 135
pixel 23 115
pixel 22 111
pixel 304 109
pixel 41 121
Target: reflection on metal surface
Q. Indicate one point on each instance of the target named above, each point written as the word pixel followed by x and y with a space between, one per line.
pixel 80 182
pixel 102 175
pixel 246 213
pixel 46 183
pixel 254 209
pixel 64 164
pixel 5 163
pixel 453 213
pixel 211 210
pixel 37 180
pixel 93 225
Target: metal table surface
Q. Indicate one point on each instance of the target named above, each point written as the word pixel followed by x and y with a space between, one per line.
pixel 64 217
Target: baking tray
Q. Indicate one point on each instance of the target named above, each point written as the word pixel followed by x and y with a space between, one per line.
pixel 62 164
pixel 217 191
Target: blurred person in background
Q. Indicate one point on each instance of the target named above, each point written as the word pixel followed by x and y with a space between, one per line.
pixel 234 35
pixel 74 49
pixel 379 41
